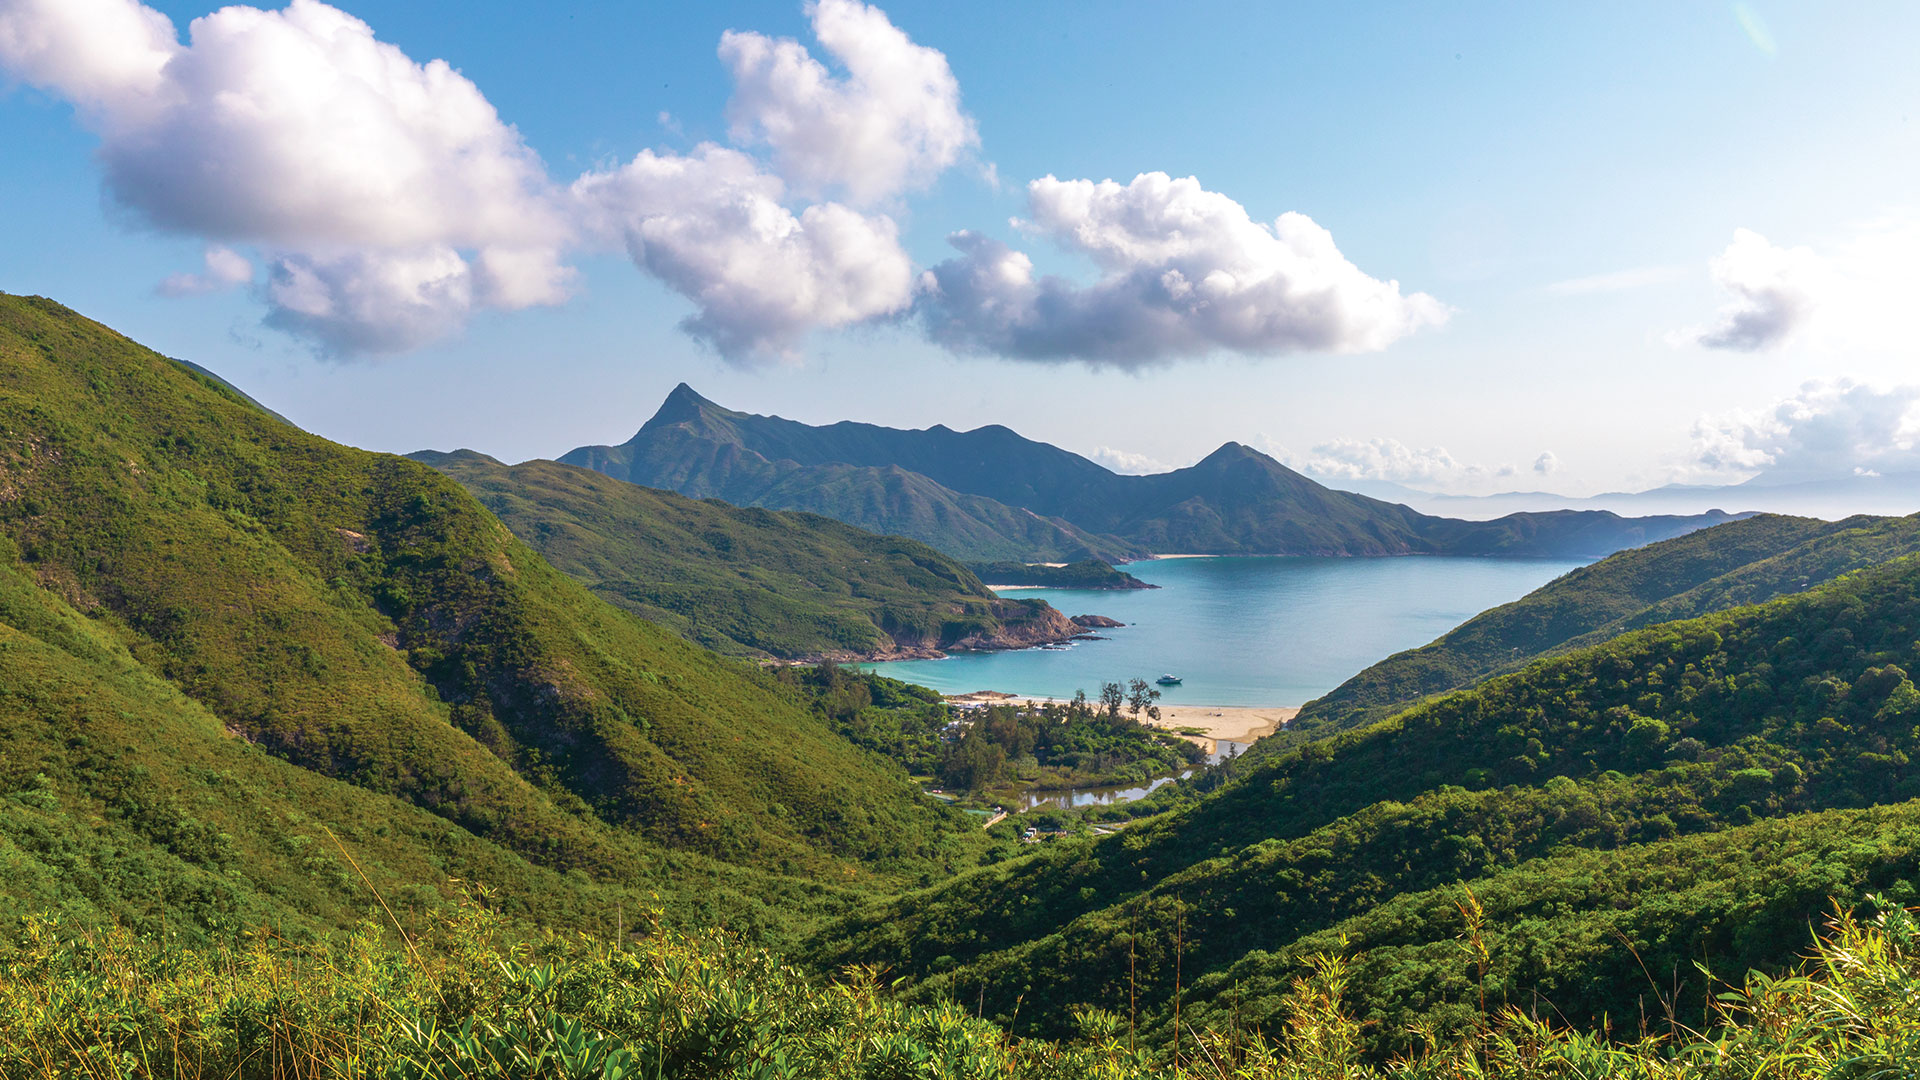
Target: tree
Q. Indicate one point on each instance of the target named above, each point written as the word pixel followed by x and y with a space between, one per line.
pixel 1112 696
pixel 1141 698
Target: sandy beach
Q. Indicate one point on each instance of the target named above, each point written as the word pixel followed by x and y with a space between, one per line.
pixel 1210 723
pixel 1234 723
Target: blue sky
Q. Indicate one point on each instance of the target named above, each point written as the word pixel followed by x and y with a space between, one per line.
pixel 1569 184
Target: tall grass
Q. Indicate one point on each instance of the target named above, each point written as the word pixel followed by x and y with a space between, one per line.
pixel 465 1001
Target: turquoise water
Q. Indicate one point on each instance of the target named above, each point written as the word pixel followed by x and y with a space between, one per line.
pixel 1246 631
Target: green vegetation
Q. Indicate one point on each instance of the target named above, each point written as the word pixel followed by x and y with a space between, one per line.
pixel 222 634
pixel 1002 749
pixel 1696 790
pixel 989 495
pixel 272 709
pixel 747 582
pixel 1742 562
pixel 465 1001
pixel 1085 574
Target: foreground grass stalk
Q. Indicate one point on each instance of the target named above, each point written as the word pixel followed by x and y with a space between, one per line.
pixel 465 1001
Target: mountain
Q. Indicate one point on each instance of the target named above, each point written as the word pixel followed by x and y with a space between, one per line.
pixel 696 448
pixel 234 652
pixel 1831 497
pixel 1744 562
pixel 749 582
pixel 989 495
pixel 1697 791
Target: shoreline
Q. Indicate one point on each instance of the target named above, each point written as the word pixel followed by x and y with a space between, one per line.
pixel 1244 724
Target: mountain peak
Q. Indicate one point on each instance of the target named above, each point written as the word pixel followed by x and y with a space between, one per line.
pixel 1230 452
pixel 682 405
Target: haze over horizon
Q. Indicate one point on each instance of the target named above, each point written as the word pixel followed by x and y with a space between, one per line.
pixel 1570 251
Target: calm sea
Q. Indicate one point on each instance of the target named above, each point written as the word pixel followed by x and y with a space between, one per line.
pixel 1246 631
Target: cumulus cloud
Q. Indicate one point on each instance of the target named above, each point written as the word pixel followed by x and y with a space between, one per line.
pixel 714 227
pixel 298 131
pixel 1854 291
pixel 390 201
pixel 371 301
pixel 1429 468
pixel 892 122
pixel 1825 431
pixel 1123 461
pixel 1775 291
pixel 1184 271
pixel 226 269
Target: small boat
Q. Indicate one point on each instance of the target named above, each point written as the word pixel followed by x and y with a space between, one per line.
pixel 1168 680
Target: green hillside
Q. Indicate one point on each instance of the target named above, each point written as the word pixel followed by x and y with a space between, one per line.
pixel 1742 562
pixel 256 686
pixel 748 582
pixel 358 621
pixel 990 496
pixel 1085 574
pixel 1699 788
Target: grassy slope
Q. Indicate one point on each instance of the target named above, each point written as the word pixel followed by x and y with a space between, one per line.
pixel 749 582
pixel 1603 790
pixel 1741 562
pixel 361 617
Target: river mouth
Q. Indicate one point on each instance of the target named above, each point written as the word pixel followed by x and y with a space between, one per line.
pixel 1081 798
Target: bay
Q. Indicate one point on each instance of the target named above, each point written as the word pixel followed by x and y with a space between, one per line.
pixel 1246 631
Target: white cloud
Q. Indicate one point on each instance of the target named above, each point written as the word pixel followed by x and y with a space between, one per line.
pixel 226 269
pixel 1429 468
pixel 368 301
pixel 1185 272
pixel 893 122
pixel 714 227
pixel 388 201
pixel 105 56
pixel 1775 292
pixel 1853 293
pixel 1823 432
pixel 1638 277
pixel 1123 461
pixel 391 202
pixel 299 132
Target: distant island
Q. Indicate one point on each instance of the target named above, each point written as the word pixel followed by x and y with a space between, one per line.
pixel 1085 574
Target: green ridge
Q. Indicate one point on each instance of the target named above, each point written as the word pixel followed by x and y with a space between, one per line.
pixel 749 582
pixel 360 619
pixel 1737 563
pixel 1630 768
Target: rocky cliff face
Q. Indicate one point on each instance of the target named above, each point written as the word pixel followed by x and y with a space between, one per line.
pixel 1019 624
